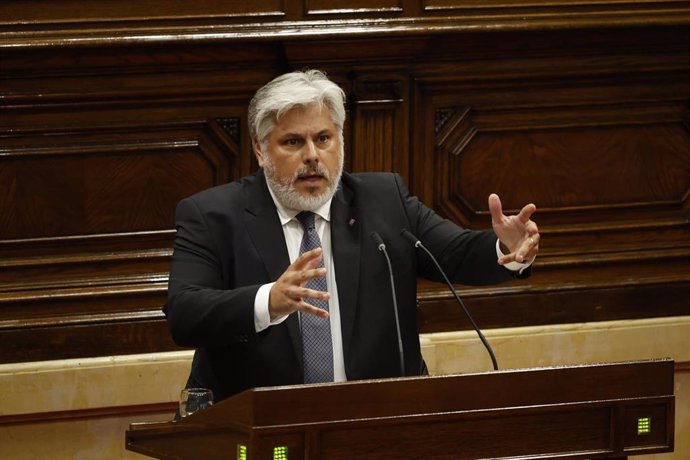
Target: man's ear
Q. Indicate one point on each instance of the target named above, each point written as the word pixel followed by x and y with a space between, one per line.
pixel 259 155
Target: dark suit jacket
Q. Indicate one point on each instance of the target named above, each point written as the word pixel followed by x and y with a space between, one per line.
pixel 229 242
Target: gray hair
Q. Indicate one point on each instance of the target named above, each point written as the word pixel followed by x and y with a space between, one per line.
pixel 291 90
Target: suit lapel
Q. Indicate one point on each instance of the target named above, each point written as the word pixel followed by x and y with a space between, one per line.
pixel 345 244
pixel 263 226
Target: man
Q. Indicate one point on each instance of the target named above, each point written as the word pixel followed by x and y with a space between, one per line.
pixel 269 295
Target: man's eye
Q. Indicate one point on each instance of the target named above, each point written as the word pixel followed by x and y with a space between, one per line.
pixel 323 138
pixel 291 142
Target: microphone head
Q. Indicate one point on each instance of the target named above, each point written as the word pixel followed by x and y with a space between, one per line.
pixel 379 241
pixel 413 239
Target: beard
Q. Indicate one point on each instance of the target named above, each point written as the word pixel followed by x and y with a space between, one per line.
pixel 285 191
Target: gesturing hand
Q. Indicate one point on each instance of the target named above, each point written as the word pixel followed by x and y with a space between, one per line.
pixel 288 293
pixel 519 234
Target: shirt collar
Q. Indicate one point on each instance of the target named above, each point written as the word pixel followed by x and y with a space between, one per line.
pixel 286 214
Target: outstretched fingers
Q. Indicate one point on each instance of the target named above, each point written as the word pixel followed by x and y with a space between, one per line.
pixel 526 212
pixel 527 251
pixel 496 209
pixel 289 292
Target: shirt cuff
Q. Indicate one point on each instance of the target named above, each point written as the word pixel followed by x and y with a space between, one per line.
pixel 262 319
pixel 512 266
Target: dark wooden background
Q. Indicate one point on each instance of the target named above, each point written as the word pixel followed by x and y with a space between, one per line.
pixel 112 111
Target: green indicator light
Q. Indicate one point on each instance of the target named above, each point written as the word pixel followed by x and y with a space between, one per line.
pixel 280 453
pixel 644 425
pixel 241 452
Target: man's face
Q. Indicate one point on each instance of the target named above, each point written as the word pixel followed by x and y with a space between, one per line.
pixel 303 157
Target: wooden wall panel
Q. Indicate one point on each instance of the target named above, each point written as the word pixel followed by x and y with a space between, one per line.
pixel 110 113
pixel 601 145
pixel 118 186
pixel 620 153
pixel 584 171
pixel 93 160
pixel 379 110
pixel 75 11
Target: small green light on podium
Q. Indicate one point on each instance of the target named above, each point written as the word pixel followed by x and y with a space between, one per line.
pixel 241 452
pixel 644 425
pixel 280 453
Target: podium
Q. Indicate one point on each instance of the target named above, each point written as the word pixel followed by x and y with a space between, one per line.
pixel 591 411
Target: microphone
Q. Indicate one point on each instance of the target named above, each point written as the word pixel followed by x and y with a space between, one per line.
pixel 418 244
pixel 382 247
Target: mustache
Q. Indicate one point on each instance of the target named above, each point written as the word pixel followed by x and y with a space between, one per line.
pixel 313 169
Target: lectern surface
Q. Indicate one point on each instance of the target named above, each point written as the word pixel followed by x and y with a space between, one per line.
pixel 594 411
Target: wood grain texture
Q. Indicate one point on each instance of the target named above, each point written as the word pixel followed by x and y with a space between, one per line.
pixel 575 412
pixel 111 113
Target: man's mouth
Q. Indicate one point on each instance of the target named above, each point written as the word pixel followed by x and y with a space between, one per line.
pixel 310 178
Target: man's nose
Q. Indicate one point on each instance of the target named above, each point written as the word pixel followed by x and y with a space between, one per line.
pixel 310 152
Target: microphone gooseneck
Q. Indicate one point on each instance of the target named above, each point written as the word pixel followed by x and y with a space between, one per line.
pixel 382 247
pixel 418 244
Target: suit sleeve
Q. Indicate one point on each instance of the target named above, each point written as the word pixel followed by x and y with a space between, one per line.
pixel 201 311
pixel 467 256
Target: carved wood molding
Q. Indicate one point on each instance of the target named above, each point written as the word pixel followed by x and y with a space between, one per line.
pixel 454 129
pixel 87 339
pixel 117 162
pixel 86 414
pixel 645 143
pixel 377 91
pixel 104 267
pixel 156 22
pixel 231 126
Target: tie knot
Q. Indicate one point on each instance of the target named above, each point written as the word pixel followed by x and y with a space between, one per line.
pixel 306 218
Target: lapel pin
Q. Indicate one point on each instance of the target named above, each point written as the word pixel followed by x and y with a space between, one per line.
pixel 351 222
